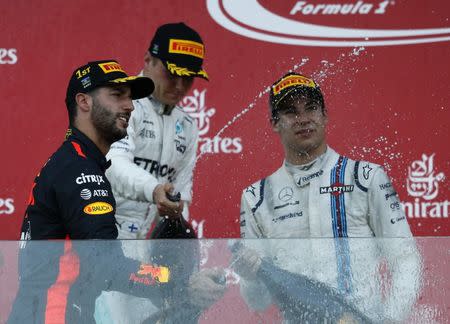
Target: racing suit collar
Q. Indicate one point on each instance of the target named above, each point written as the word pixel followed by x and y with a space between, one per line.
pixel 304 174
pixel 91 150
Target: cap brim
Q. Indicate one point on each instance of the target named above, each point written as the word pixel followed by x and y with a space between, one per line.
pixel 140 87
pixel 185 71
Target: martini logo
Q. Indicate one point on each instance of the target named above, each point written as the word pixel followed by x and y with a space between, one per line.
pixel 290 81
pixel 336 189
pixel 109 67
pixel 8 56
pixel 181 46
pixel 423 185
pixel 98 208
pixel 251 19
pixel 195 106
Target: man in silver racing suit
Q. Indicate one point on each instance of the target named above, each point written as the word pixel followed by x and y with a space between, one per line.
pixel 158 157
pixel 318 193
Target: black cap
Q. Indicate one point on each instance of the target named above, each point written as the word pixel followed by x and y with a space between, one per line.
pixel 290 84
pixel 106 73
pixel 180 48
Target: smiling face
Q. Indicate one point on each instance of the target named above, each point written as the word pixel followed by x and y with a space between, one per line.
pixel 169 88
pixel 111 110
pixel 301 122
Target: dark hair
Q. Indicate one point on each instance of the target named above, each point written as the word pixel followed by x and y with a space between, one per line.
pixel 313 95
pixel 72 110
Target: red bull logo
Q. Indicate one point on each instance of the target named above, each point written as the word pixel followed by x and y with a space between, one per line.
pixel 160 274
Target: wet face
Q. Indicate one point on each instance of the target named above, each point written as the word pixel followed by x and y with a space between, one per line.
pixel 111 110
pixel 301 123
pixel 169 88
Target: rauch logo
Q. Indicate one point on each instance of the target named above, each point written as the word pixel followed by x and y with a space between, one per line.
pixel 251 19
pixel 195 106
pixel 423 184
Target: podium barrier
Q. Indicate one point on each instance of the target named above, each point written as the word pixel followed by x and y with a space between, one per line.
pixel 357 280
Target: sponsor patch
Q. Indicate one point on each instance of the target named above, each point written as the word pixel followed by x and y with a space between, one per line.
pixel 150 275
pixel 180 147
pixel 89 178
pixel 286 194
pixel 98 208
pixel 181 46
pixel 292 80
pixel 366 171
pixel 336 189
pixel 86 194
pixel 287 216
pixel 109 67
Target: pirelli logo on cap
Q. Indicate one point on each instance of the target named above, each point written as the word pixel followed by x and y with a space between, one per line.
pixel 109 67
pixel 181 46
pixel 292 80
pixel 98 208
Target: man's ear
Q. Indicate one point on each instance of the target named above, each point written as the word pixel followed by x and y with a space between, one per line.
pixel 274 123
pixel 84 101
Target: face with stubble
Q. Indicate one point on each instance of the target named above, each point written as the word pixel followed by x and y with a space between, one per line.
pixel 111 111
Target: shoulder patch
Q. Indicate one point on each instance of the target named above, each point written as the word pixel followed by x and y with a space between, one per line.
pixel 363 174
pixel 78 149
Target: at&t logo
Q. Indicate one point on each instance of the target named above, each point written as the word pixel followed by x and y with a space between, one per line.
pixel 195 106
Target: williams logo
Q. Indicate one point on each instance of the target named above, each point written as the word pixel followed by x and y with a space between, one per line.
pixel 423 185
pixel 277 22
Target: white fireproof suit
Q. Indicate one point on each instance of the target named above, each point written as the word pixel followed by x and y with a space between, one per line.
pixel 158 148
pixel 335 198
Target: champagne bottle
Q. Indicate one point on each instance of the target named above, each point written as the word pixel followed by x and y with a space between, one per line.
pixel 304 299
pixel 173 228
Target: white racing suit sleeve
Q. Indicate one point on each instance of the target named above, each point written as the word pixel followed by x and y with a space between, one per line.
pixel 254 292
pixel 388 221
pixel 128 179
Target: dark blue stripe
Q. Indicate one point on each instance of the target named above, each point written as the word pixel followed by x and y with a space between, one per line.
pixel 358 184
pixel 261 195
pixel 342 200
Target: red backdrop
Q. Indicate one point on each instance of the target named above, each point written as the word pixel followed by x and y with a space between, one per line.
pixel 383 66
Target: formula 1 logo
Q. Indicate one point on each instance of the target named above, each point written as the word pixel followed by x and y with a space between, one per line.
pixel 251 19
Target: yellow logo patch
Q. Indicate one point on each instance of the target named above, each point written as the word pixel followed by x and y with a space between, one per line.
pixel 109 67
pixel 98 208
pixel 181 46
pixel 292 80
pixel 161 274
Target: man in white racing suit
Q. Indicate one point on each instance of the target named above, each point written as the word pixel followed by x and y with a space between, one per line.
pixel 318 193
pixel 156 158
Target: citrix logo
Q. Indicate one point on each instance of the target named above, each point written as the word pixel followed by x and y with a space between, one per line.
pixel 8 56
pixel 94 178
pixel 6 206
